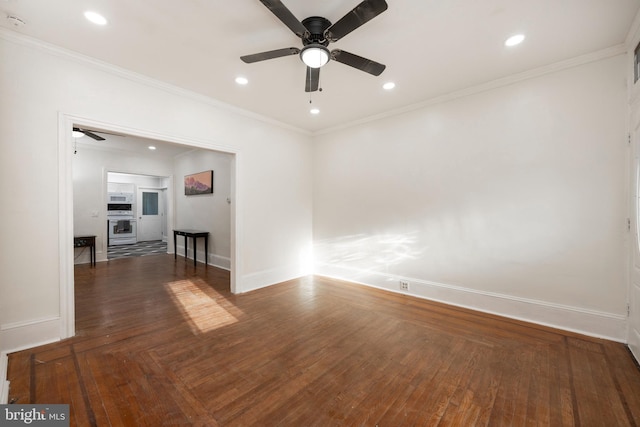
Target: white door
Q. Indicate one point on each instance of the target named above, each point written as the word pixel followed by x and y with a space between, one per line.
pixel 150 214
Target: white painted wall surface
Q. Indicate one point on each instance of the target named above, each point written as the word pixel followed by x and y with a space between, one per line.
pixel 207 212
pixel 37 85
pixel 511 200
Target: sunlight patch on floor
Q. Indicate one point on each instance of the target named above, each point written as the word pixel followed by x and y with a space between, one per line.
pixel 198 304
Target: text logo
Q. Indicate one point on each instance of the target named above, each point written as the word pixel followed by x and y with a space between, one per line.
pixel 34 415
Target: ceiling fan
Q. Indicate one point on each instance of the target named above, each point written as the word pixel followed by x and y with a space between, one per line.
pixel 316 33
pixel 91 133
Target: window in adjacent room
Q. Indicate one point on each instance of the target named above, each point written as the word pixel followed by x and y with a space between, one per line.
pixel 149 203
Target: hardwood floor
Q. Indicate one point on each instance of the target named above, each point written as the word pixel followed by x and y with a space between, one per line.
pixel 160 342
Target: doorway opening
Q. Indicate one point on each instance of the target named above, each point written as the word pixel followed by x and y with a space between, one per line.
pixel 121 154
pixel 142 230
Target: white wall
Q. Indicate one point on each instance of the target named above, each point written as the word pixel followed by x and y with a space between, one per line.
pixel 510 200
pixel 207 212
pixel 38 84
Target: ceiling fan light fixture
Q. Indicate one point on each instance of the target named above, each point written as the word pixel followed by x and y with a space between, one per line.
pixel 315 55
pixel 77 134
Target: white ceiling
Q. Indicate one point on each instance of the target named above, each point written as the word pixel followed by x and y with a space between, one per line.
pixel 430 47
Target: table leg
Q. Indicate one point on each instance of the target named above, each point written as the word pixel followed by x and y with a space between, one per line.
pixel 186 247
pixel 175 245
pixel 206 250
pixel 194 250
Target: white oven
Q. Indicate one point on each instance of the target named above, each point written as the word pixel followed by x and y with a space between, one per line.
pixel 120 220
pixel 122 231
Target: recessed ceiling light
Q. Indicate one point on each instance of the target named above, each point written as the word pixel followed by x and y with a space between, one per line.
pixel 242 80
pixel 314 111
pixel 152 147
pixel 95 17
pixel 388 85
pixel 514 40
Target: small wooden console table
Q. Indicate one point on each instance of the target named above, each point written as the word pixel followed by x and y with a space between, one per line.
pixel 194 234
pixel 86 242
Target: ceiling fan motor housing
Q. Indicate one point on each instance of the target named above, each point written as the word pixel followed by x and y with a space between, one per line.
pixel 316 33
pixel 316 25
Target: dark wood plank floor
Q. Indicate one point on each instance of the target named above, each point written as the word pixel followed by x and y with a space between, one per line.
pixel 160 342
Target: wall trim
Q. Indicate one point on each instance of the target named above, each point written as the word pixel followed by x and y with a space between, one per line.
pixel 633 347
pixel 28 41
pixel 24 40
pixel 584 321
pixel 269 277
pixel 218 261
pixel 484 87
pixel 4 384
pixel 32 333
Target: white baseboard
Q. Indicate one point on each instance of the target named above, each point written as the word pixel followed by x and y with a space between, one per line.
pixel 634 343
pixel 4 384
pixel 23 335
pixel 219 261
pixel 593 323
pixel 265 278
pixel 213 259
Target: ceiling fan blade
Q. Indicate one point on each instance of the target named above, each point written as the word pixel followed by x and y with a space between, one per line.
pixel 92 135
pixel 108 133
pixel 283 14
pixel 355 61
pixel 360 15
pixel 313 79
pixel 278 53
pixel 89 134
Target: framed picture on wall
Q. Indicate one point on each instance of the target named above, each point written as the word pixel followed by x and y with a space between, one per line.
pixel 198 183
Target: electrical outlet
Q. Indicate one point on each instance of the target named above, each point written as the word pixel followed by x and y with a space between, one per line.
pixel 404 285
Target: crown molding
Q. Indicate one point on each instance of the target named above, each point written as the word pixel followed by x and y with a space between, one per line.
pixel 31 42
pixel 491 85
pixel 21 39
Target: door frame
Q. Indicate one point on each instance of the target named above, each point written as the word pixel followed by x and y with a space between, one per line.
pixel 66 122
pixel 633 297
